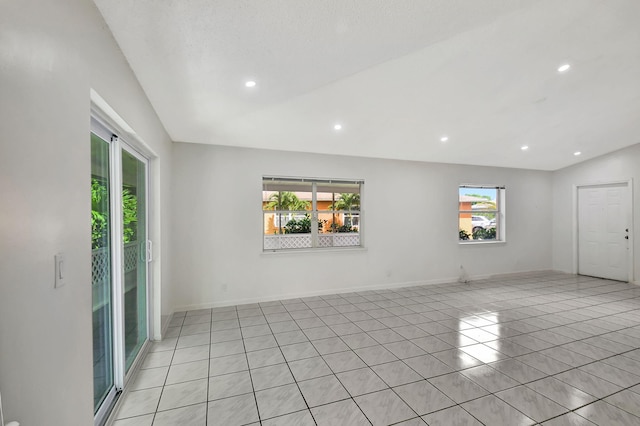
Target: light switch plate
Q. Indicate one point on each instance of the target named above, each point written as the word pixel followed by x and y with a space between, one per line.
pixel 60 270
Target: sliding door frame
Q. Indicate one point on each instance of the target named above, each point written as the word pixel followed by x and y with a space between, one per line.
pixel 144 250
pixel 111 133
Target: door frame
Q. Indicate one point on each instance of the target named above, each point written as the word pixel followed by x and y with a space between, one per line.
pixel 124 146
pixel 124 140
pixel 629 199
pixel 102 112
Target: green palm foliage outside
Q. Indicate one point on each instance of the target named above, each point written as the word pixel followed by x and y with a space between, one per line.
pixel 285 200
pixel 100 214
pixel 347 201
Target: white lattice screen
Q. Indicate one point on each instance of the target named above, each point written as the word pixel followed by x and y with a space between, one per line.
pixel 296 241
pixel 100 262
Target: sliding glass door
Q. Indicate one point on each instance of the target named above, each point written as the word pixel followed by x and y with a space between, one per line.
pixel 134 183
pixel 103 379
pixel 119 185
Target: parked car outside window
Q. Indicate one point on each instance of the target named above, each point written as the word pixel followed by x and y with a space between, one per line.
pixel 481 222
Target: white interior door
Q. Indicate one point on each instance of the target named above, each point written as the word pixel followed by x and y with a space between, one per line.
pixel 603 231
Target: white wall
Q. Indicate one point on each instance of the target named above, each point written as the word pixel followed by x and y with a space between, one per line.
pixel 618 166
pixel 411 225
pixel 51 54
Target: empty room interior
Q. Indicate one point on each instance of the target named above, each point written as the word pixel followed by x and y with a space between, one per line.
pixel 305 212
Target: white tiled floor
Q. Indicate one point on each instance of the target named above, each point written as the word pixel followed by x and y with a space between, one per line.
pixel 541 348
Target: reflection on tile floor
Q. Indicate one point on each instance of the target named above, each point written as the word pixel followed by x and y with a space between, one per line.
pixel 540 348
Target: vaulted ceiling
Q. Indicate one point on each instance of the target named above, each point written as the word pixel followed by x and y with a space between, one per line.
pixel 455 81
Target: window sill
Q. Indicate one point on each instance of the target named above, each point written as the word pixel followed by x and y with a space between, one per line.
pixel 480 242
pixel 315 250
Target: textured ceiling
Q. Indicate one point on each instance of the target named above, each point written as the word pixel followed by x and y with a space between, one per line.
pixel 397 74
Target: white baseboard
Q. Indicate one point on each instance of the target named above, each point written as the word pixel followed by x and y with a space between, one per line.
pixel 165 326
pixel 284 296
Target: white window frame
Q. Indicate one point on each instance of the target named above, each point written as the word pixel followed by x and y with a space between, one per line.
pixel 500 213
pixel 316 186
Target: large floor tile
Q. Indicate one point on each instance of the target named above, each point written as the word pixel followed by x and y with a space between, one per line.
pixel 228 364
pixel 493 411
pixel 531 403
pixel 562 393
pixel 322 390
pixel 428 366
pixel 423 397
pixel 458 387
pixel 309 368
pixel 140 402
pixel 454 416
pixel 375 355
pixel 297 351
pixel 569 419
pixel 232 411
pixel 330 345
pixel 404 349
pixel 612 374
pixel 489 378
pixel 384 408
pixel 519 371
pixel 230 347
pixel 457 358
pixel 271 376
pixel 229 385
pixel 361 381
pixel 343 361
pixel 605 414
pixel 158 359
pixel 278 401
pixel 626 400
pixel 544 363
pixel 194 353
pixel 182 394
pixel 300 418
pixel 263 357
pixel 145 420
pixel 431 344
pixel 149 378
pixel 193 415
pixel 193 340
pixel 396 373
pixel 340 413
pixel 189 371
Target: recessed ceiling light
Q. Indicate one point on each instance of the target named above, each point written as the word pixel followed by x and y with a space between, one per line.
pixel 524 147
pixel 337 126
pixel 564 68
pixel 577 153
pixel 444 138
pixel 250 83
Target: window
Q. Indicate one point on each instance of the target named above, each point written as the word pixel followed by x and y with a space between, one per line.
pixel 303 213
pixel 481 213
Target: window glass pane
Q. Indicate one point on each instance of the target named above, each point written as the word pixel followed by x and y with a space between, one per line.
pixel 101 271
pixel 134 239
pixel 283 195
pixel 290 207
pixel 478 213
pixel 344 207
pixel 476 227
pixel 287 214
pixel 478 198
